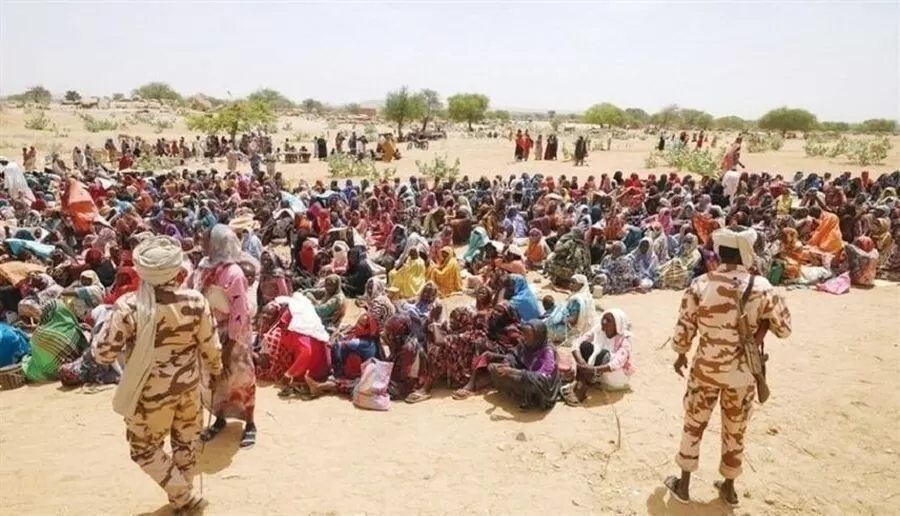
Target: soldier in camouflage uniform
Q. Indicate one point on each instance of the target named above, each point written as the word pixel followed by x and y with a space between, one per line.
pixel 720 371
pixel 166 399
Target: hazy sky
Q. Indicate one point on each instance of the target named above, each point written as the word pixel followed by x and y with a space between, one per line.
pixel 841 61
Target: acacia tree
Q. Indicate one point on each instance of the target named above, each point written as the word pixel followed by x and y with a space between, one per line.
pixel 312 106
pixel 401 106
pixel 275 99
pixel 695 119
pixel 35 94
pixel 666 116
pixel 730 123
pixel 636 116
pixel 835 127
pixel 605 114
pixel 72 96
pixel 467 107
pixel 786 119
pixel 431 104
pixel 239 115
pixel 878 125
pixel 159 91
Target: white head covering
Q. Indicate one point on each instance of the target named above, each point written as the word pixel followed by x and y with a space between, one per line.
pixel 157 261
pixel 587 314
pixel 601 341
pixel 739 238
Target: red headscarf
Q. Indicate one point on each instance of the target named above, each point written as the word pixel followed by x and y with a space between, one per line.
pixel 127 281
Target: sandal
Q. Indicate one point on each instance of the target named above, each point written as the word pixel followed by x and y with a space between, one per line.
pixel 417 397
pixel 210 432
pixel 672 484
pixel 291 391
pixel 248 439
pixel 462 394
pixel 569 397
pixel 718 485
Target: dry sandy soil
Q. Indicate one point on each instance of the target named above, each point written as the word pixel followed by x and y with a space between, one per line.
pixel 826 443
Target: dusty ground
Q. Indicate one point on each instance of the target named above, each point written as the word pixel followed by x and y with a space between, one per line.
pixel 827 442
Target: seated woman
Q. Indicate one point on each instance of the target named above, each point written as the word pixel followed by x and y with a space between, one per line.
pixel 290 352
pixel 339 259
pixel 272 279
pixel 503 335
pixel 513 261
pixel 678 272
pixel 358 273
pixel 537 250
pixel 570 256
pixel 354 345
pixel 410 277
pixel 603 358
pixel 85 370
pixel 328 301
pixel 646 264
pixel 393 247
pixel 425 309
pixel 618 273
pixel 410 362
pixel 58 339
pixel 863 260
pixel 84 296
pixel 825 242
pixel 791 253
pixel 574 317
pixel 477 239
pixel 445 274
pixel 451 349
pixel 528 374
pixel 522 298
pixel 40 290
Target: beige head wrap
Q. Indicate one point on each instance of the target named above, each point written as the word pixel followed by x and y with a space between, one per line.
pixel 157 261
pixel 739 238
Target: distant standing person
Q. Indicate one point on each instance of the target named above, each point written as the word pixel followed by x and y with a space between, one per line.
pixel 529 143
pixel 700 139
pixel 721 372
pixel 580 151
pixel 732 157
pixel 661 146
pixel 539 148
pixel 520 146
pixel 550 153
pixel 321 148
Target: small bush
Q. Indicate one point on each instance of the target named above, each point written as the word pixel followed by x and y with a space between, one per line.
pixel 439 169
pixel 39 123
pixel 96 125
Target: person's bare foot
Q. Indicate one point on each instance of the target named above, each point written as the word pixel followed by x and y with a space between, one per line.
pixel 461 394
pixel 315 388
pixel 580 391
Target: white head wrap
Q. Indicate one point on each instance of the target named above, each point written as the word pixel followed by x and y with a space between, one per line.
pixel 740 238
pixel 157 261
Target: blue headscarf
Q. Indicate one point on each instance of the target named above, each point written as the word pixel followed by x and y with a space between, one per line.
pixel 523 299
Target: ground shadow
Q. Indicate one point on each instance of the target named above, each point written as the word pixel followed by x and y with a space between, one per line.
pixel 499 401
pixel 165 510
pixel 215 455
pixel 661 503
pixel 601 398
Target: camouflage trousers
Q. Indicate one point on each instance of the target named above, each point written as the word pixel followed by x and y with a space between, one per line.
pixel 699 401
pixel 179 417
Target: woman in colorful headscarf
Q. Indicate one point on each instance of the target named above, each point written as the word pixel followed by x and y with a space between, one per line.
pixel 678 272
pixel 791 252
pixel 289 352
pixel 339 258
pixel 451 349
pixel 272 279
pixel 575 316
pixel 425 309
pixel 529 374
pixel 880 232
pixel 410 277
pixel 618 271
pixel 127 280
pixel 445 274
pixel 503 335
pixel 477 240
pixel 328 301
pixel 410 361
pixel 863 259
pixel 646 263
pixel 537 250
pixel 57 339
pixel 522 298
pixel 40 290
pixel 222 281
pixel 358 273
pixel 570 256
pixel 85 295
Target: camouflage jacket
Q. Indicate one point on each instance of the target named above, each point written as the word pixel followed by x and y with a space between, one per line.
pixel 709 306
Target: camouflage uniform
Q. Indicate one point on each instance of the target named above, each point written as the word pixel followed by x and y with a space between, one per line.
pixel 719 371
pixel 170 402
